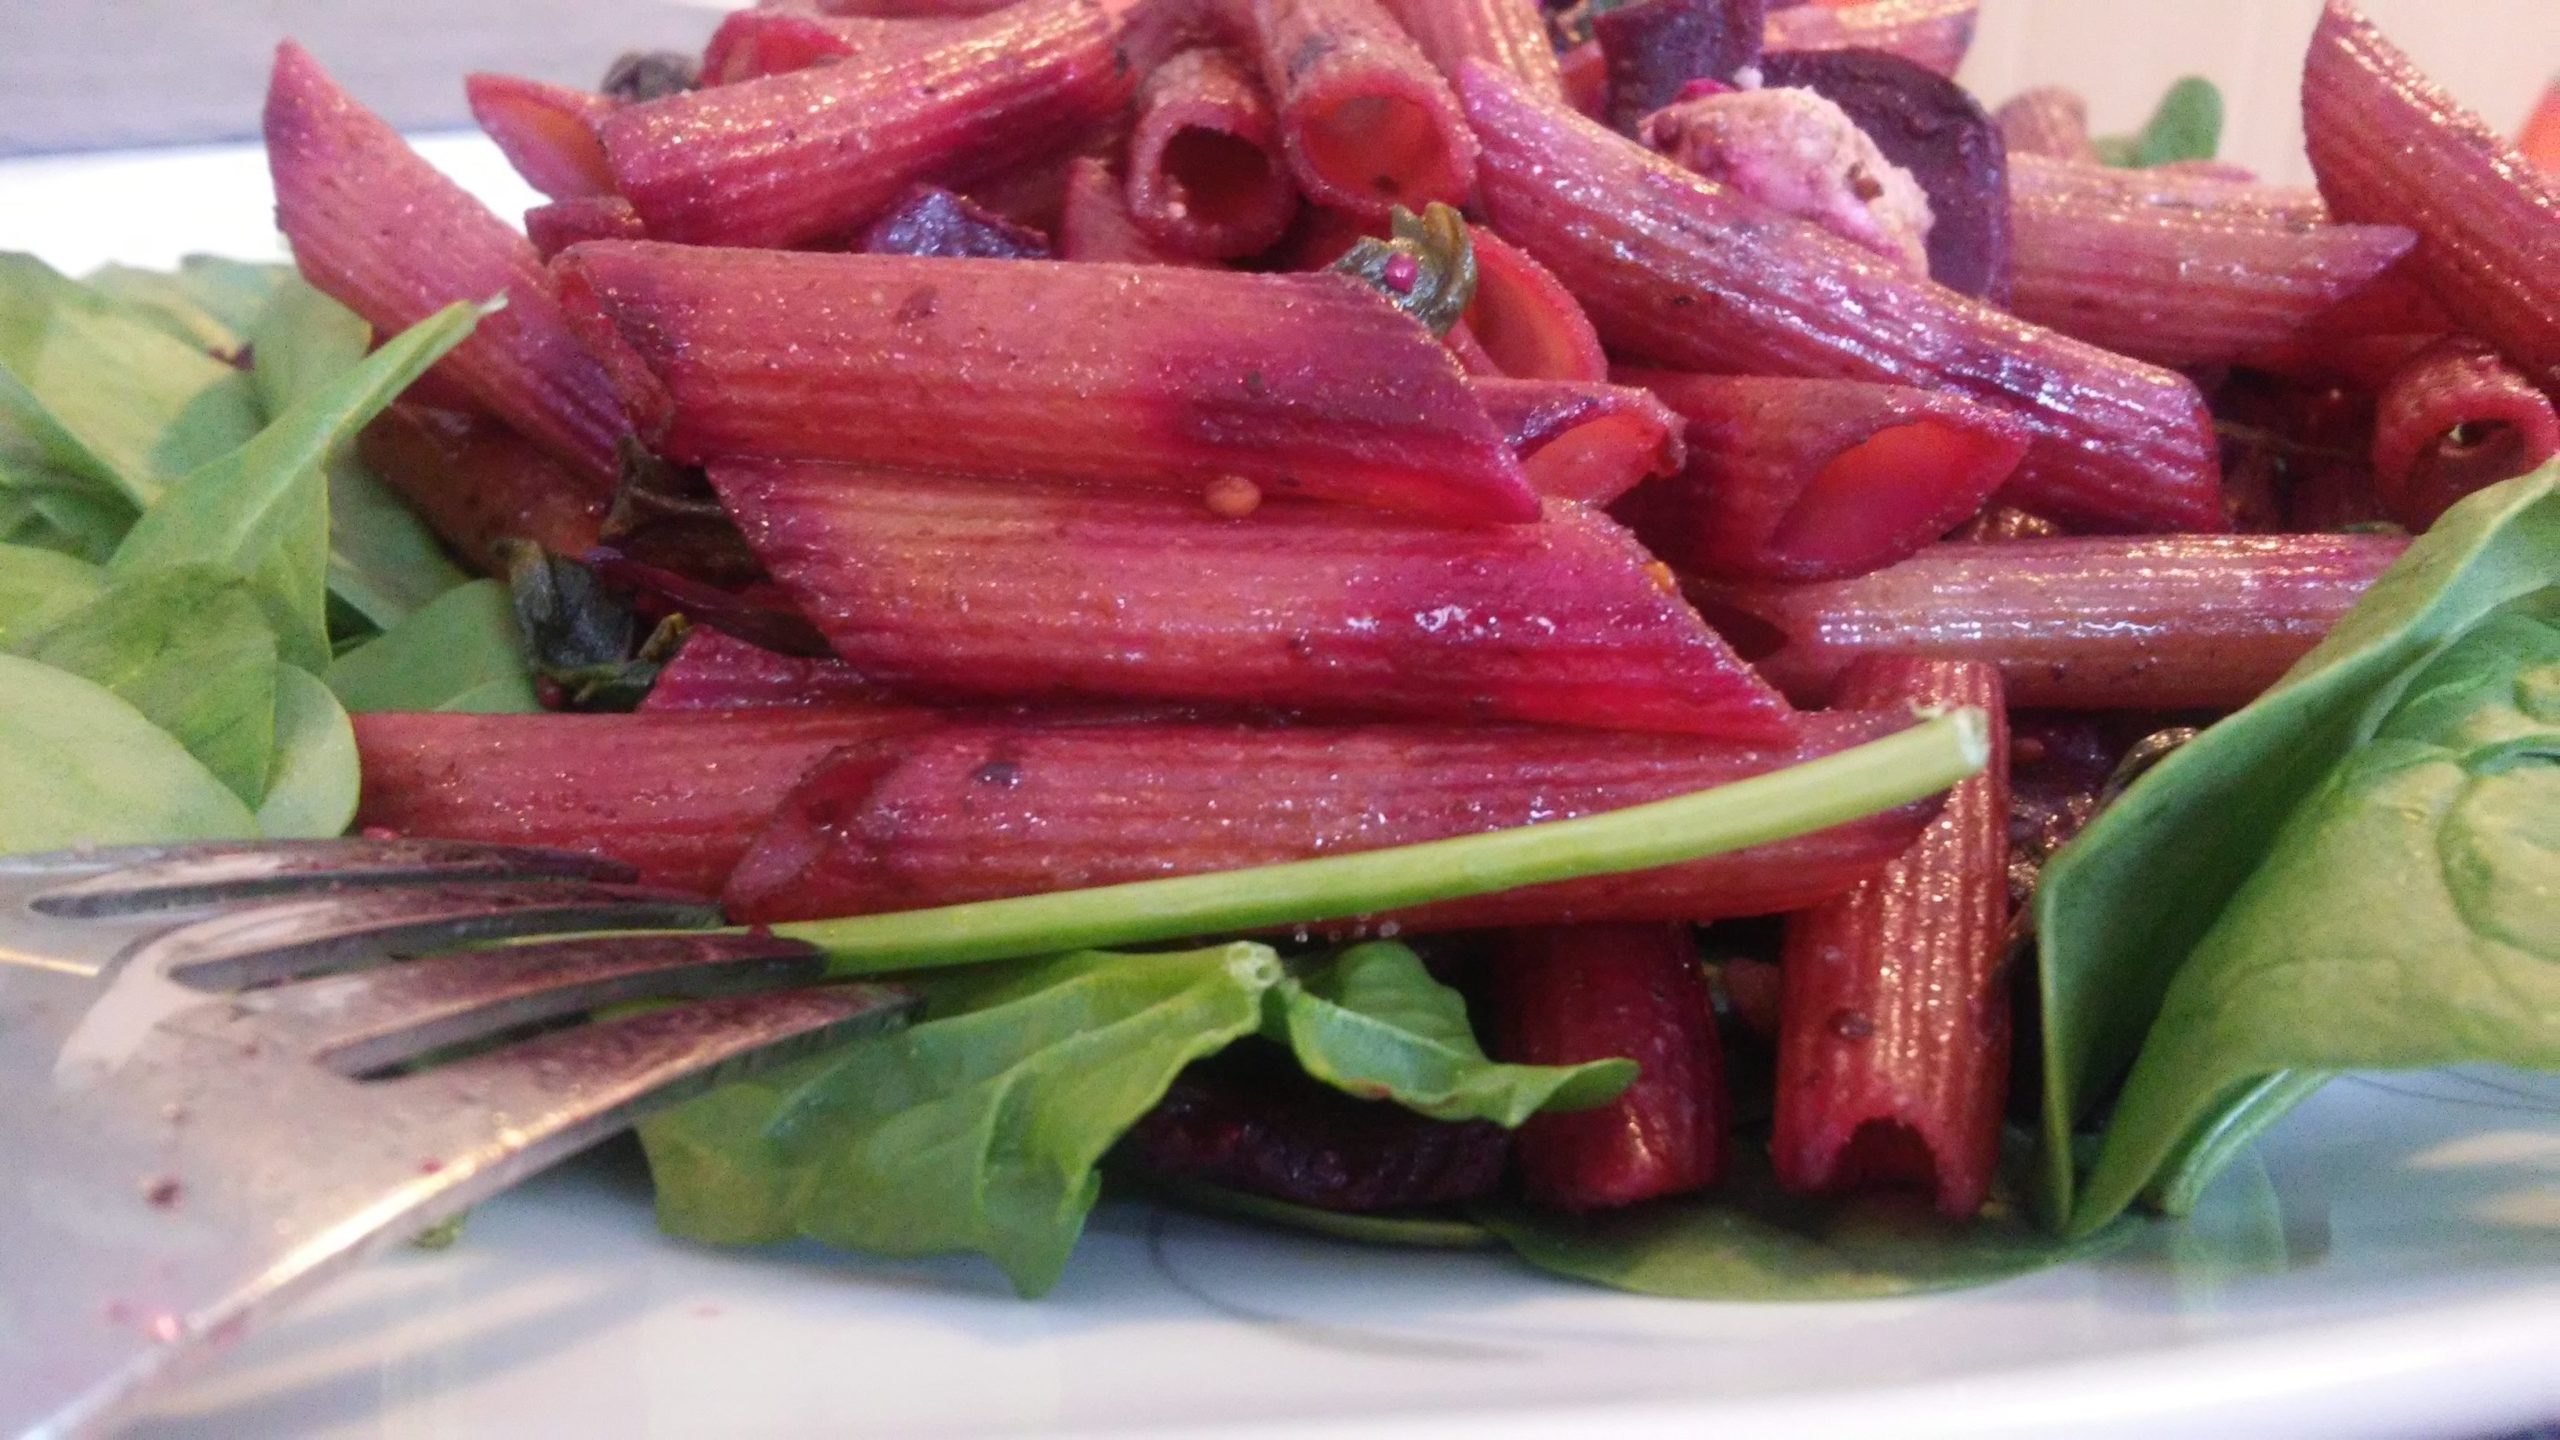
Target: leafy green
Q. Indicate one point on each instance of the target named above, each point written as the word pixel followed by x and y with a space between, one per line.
pixel 1427 268
pixel 108 396
pixel 38 589
pixel 461 652
pixel 260 511
pixel 188 648
pixel 980 1129
pixel 1749 1240
pixel 1896 770
pixel 209 302
pixel 80 767
pixel 314 776
pixel 2407 915
pixel 1406 1231
pixel 382 559
pixel 583 635
pixel 2186 125
pixel 2121 910
pixel 1371 1022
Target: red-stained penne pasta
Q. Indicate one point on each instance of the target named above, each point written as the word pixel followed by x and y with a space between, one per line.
pixel 1655 48
pixel 818 153
pixel 2050 122
pixel 1309 386
pixel 2181 622
pixel 773 40
pixel 1094 225
pixel 476 482
pixel 555 227
pixel 2539 141
pixel 2455 419
pixel 2390 147
pixel 379 231
pixel 547 132
pixel 1367 123
pixel 980 812
pixel 913 9
pixel 951 586
pixel 1935 33
pixel 678 796
pixel 714 671
pixel 1582 442
pixel 2178 286
pixel 2173 194
pixel 1682 272
pixel 1522 322
pixel 1586 79
pixel 1572 994
pixel 1206 176
pixel 1893 1039
pixel 1816 479
pixel 1509 33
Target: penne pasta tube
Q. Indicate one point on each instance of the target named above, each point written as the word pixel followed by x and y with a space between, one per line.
pixel 981 811
pixel 950 585
pixel 1309 386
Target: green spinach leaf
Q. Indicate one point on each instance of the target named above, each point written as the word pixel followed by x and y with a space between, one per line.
pixel 108 396
pixel 1401 1230
pixel 2186 125
pixel 1749 1240
pixel 461 652
pixel 2407 915
pixel 189 649
pixel 315 775
pixel 2121 909
pixel 383 560
pixel 260 510
pixel 39 589
pixel 1371 1022
pixel 979 1129
pixel 81 767
pixel 209 302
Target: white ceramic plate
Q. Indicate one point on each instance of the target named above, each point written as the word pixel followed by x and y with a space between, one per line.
pixel 2395 1272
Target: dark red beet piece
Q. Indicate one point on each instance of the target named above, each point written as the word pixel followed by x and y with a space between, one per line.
pixel 1254 1123
pixel 1656 47
pixel 933 221
pixel 1927 124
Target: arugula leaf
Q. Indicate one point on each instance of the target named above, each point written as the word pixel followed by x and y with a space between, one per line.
pixel 1371 1022
pixel 208 301
pixel 81 767
pixel 38 589
pixel 2186 125
pixel 977 1130
pixel 260 512
pixel 461 652
pixel 2407 915
pixel 188 649
pixel 2121 909
pixel 315 774
pixel 1749 1240
pixel 107 396
pixel 383 560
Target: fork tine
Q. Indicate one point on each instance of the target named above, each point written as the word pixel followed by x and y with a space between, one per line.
pixel 170 877
pixel 362 1023
pixel 259 944
pixel 564 1090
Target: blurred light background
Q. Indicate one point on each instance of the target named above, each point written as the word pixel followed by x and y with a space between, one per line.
pixel 82 76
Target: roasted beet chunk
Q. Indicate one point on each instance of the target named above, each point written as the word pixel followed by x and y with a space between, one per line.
pixel 1251 1121
pixel 936 222
pixel 1928 125
pixel 1656 47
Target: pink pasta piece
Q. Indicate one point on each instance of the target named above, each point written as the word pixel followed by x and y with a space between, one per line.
pixel 952 586
pixel 1368 124
pixel 375 228
pixel 1678 271
pixel 816 153
pixel 2456 419
pixel 548 132
pixel 1308 386
pixel 1206 176
pixel 2391 147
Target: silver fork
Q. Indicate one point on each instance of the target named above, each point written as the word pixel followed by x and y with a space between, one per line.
pixel 213 1096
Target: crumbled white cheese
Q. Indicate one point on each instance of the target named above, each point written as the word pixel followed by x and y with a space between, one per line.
pixel 1794 151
